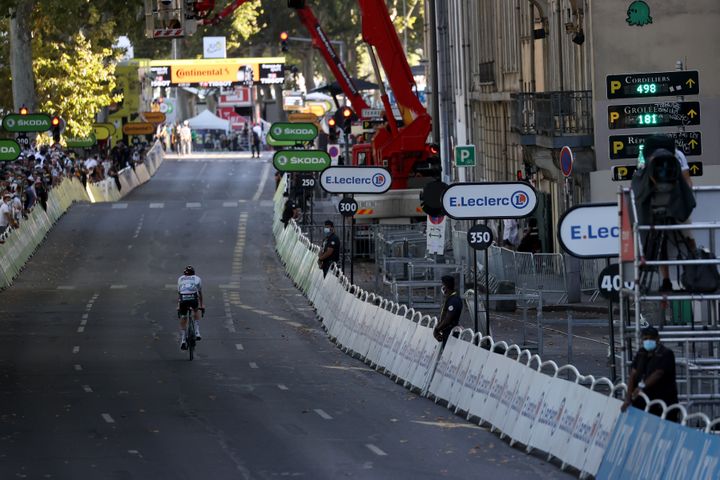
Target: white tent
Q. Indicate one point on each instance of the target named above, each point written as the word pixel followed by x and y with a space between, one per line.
pixel 208 121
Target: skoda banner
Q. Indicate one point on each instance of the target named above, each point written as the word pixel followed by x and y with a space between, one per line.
pixel 355 180
pixel 489 200
pixel 590 231
pixel 301 160
pixel 34 122
pixel 294 132
pixel 9 150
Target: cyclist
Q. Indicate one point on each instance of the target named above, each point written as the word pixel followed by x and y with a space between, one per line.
pixel 189 296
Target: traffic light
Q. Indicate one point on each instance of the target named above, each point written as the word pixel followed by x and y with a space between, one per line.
pixel 347 115
pixel 283 41
pixel 55 123
pixel 24 110
pixel 332 130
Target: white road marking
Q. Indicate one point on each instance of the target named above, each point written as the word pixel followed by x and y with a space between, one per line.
pixel 87 388
pixel 323 414
pixel 231 329
pixel 78 367
pixel 119 206
pixel 118 287
pixel 133 452
pixel 76 349
pixel 375 450
pixel 253 365
pixel 239 346
pixel 83 322
pixel 242 201
pixel 88 306
pixel 85 316
pixel 193 205
pixel 80 329
pixel 294 324
pixel 66 287
pixel 157 205
pixel 261 186
pixel 230 204
pixel 282 387
pixel 107 418
pixel 275 317
pixel 262 312
pixel 171 286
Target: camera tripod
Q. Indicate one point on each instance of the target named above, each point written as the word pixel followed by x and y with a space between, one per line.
pixel 655 247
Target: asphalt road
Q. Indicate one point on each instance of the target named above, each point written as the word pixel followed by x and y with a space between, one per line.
pixel 94 386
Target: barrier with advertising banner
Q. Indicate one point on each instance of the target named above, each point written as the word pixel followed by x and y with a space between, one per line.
pixel 510 389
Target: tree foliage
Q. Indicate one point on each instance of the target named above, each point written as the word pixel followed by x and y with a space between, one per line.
pixel 75 82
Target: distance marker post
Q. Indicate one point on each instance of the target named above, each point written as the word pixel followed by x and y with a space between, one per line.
pixel 480 237
pixel 348 208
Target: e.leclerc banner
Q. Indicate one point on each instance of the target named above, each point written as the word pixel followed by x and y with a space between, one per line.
pixel 590 231
pixel 489 200
pixel 301 160
pixel 367 180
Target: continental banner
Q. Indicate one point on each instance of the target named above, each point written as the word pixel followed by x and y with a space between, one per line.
pixel 224 72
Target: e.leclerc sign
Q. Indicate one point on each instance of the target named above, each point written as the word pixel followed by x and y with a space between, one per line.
pixel 355 180
pixel 34 122
pixel 590 231
pixel 293 132
pixel 489 200
pixel 301 160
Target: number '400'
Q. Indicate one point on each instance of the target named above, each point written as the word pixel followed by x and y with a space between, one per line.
pixel 613 283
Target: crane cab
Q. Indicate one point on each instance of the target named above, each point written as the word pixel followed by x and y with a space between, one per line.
pixel 170 18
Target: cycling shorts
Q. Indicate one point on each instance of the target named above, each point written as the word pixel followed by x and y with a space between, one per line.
pixel 185 305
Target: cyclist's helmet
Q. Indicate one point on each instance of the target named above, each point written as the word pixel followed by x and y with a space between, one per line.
pixel 189 270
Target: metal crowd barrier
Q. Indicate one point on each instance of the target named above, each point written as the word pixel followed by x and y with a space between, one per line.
pixel 514 391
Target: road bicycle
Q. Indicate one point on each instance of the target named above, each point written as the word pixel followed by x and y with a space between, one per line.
pixel 190 337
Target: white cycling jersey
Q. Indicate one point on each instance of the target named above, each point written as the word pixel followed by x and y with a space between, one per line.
pixel 189 285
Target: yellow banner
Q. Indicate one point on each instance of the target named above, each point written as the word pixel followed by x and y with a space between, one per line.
pixel 218 71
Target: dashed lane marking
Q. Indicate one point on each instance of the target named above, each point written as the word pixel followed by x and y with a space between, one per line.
pixel 276 317
pixel 263 179
pixel 239 346
pixel 87 388
pixel 119 206
pixel 76 349
pixel 118 287
pixel 170 286
pixel 231 328
pixel 323 414
pixel 295 324
pixel 253 365
pixel 157 205
pixel 83 322
pixel 85 316
pixel 282 387
pixel 107 418
pixel 193 205
pixel 66 287
pixel 375 450
pixel 77 367
pixel 230 204
pixel 80 329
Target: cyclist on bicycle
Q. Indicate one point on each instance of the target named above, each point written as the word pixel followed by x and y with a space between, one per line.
pixel 189 296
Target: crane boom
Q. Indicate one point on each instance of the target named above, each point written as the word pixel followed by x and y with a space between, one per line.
pixel 322 43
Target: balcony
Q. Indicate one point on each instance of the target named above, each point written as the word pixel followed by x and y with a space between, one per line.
pixel 553 119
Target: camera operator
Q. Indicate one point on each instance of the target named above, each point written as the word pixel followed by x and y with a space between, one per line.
pixel 663 189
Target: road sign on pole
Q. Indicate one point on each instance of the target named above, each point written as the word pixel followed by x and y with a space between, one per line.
pixel 465 156
pixel 566 161
pixel 293 132
pixel 355 180
pixel 301 160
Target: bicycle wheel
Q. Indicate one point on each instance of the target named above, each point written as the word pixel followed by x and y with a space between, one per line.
pixel 190 335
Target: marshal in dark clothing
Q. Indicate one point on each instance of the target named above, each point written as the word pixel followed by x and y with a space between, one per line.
pixel 452 308
pixel 330 252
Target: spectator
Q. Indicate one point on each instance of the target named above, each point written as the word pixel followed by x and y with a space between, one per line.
pixel 291 211
pixel 451 310
pixel 256 136
pixel 531 240
pixel 330 252
pixel 6 213
pixel 653 373
pixel 185 139
pixel 511 233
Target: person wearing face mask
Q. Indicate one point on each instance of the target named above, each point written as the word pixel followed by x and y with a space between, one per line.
pixel 653 373
pixel 451 310
pixel 330 252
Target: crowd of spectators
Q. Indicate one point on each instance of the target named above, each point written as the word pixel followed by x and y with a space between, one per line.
pixel 211 140
pixel 27 181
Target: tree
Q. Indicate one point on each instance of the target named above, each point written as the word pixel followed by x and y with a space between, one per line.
pixel 76 82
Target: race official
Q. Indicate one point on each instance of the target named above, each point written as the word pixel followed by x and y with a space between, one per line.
pixel 451 310
pixel 330 252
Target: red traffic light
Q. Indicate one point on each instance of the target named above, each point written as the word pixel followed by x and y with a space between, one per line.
pixel 24 110
pixel 347 112
pixel 332 122
pixel 284 36
pixel 434 149
pixel 55 122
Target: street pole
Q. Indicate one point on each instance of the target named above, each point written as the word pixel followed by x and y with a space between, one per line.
pixel 352 248
pixel 613 370
pixel 342 245
pixel 475 287
pixel 346 157
pixel 487 291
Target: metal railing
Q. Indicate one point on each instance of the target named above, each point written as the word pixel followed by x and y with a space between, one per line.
pixel 553 113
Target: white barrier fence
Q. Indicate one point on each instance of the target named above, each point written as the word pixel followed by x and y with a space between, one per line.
pixel 511 389
pixel 107 191
pixel 20 244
